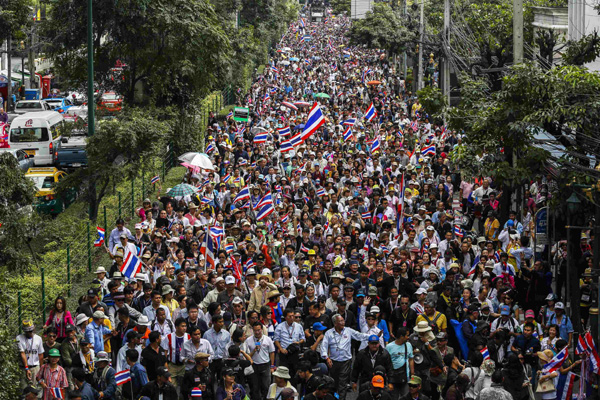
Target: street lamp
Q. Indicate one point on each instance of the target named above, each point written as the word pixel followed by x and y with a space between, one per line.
pixel 573 204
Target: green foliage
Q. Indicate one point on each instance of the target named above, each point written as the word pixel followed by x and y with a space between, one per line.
pixel 116 152
pixel 383 28
pixel 149 38
pixel 582 51
pixel 10 373
pixel 433 100
pixel 14 15
pixel 340 6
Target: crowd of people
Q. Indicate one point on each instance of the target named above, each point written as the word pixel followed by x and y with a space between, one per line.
pixel 334 248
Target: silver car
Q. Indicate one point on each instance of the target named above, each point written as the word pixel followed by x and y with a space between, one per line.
pixel 25 161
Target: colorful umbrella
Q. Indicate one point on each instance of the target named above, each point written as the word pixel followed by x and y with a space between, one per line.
pixel 322 95
pixel 373 83
pixel 302 103
pixel 289 105
pixel 181 190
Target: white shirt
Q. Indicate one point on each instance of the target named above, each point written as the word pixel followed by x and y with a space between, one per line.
pixel 190 350
pixel 266 348
pixel 32 348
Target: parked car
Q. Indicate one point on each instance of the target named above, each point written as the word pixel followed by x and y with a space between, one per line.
pixel 46 199
pixel 25 161
pixel 59 104
pixel 71 151
pixel 26 106
pixel 111 102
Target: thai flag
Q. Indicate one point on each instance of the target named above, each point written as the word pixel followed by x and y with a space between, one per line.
pixel 366 216
pixel 594 358
pixel 285 131
pixel 371 113
pixel 261 138
pixel 567 389
pixel 321 192
pixel 556 362
pixel 265 211
pixel 267 199
pixel 58 393
pixel 375 146
pixel 348 134
pixel 326 226
pixel 458 231
pixel 205 200
pixel 285 219
pixel 253 165
pixel 301 39
pixel 229 115
pixel 237 180
pixel 306 199
pixel 227 178
pixel 229 248
pixel 303 248
pixel 340 94
pixel 274 69
pixel 101 235
pixel 302 23
pixel 428 151
pixel 367 245
pixel 581 346
pixel 122 377
pixel 216 232
pixel 274 89
pixel 208 251
pixel 334 67
pixel 385 249
pixel 267 97
pixel 210 148
pixel 131 266
pixel 414 125
pixel 485 353
pixel 249 264
pixel 314 121
pixel 289 105
pixel 296 140
pixel 475 262
pixel 497 255
pixel 196 392
pixel 155 179
pixel 349 121
pixel 286 146
pixel 243 194
pixel 241 131
pixel 244 161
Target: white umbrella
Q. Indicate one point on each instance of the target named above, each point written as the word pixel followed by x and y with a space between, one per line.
pixel 187 157
pixel 286 49
pixel 199 160
pixel 284 62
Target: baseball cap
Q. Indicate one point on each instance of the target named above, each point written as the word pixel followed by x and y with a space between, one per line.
pixel 559 305
pixel 414 380
pixel 28 325
pixel 529 314
pixel 378 381
pixel 421 291
pixel 54 353
pixel 504 310
pixel 373 338
pixel 229 280
pixel 317 326
pixel 162 371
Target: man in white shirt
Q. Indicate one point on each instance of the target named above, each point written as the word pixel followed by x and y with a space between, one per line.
pixel 196 345
pixel 125 245
pixel 31 351
pixel 262 350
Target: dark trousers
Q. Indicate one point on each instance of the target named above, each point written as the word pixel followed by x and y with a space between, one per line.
pixel 340 372
pixel 290 361
pixel 261 380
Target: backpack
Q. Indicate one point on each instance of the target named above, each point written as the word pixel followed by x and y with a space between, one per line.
pixel 432 323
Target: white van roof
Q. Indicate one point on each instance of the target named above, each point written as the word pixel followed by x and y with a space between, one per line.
pixel 38 118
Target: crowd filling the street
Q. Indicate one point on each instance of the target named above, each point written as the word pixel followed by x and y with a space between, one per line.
pixel 323 245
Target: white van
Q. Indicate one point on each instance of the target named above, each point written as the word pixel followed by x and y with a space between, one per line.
pixel 38 134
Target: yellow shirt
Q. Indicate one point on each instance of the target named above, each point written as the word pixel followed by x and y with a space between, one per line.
pixel 441 322
pixel 106 337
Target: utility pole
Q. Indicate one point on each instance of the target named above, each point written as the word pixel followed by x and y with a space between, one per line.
pixel 91 104
pixel 421 34
pixel 404 61
pixel 9 72
pixel 446 61
pixel 517 32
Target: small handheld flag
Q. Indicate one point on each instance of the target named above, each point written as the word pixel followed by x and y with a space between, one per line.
pixel 371 113
pixel 58 393
pixel 131 266
pixel 155 179
pixel 485 353
pixel 101 235
pixel 122 377
pixel 196 393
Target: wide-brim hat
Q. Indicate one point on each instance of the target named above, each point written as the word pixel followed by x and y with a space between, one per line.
pixel 273 293
pixel 282 372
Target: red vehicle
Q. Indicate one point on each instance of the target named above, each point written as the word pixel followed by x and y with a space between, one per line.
pixel 110 102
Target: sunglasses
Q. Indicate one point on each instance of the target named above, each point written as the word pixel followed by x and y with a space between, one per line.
pixel 412 385
pixel 404 304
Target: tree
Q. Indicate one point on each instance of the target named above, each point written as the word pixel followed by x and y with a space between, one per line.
pixel 14 14
pixel 177 50
pixel 17 219
pixel 341 6
pixel 433 100
pixel 383 28
pixel 120 149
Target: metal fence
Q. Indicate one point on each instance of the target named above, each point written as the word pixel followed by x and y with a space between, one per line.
pixel 79 256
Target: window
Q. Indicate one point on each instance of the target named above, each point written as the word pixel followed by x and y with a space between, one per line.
pixel 43 182
pixel 30 106
pixel 24 135
pixel 56 130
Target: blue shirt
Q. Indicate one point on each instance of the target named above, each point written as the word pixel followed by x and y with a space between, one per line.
pixel 95 335
pixel 397 352
pixel 286 335
pixel 338 345
pixel 218 341
pixel 565 327
pixel 139 377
